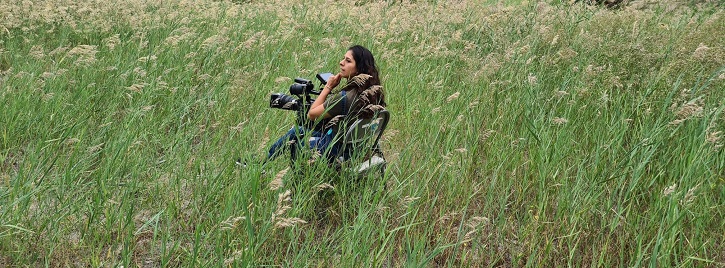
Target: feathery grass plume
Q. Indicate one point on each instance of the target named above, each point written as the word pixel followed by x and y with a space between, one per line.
pixel 389 134
pixel 484 136
pixel 669 190
pixel 47 75
pixel 140 72
pixel 282 79
pixel 282 206
pixel 408 200
pixel 36 52
pixel 322 186
pixel 447 158
pixel 561 94
pixel 236 255
pixel 473 226
pixel 47 96
pixel 277 182
pixel 447 217
pixel 95 148
pixel 453 96
pixel 532 80
pixel 604 99
pixel 559 121
pixel 714 138
pixel 676 122
pixel 214 41
pixel 474 37
pixel 239 126
pixel 86 54
pixel 473 104
pixel 314 157
pixel 136 87
pixel 283 201
pixel 58 51
pixel 249 43
pixel 282 223
pixel 71 141
pixel 112 41
pixel 21 74
pixel 593 70
pixel 689 110
pixel 701 52
pixel 689 196
pixel 146 59
pixel 380 209
pixel 204 77
pixel 566 53
pixel 265 140
pixel 230 223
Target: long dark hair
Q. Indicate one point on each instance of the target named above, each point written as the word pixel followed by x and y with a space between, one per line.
pixel 365 63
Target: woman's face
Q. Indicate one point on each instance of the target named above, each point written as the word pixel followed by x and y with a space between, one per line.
pixel 347 65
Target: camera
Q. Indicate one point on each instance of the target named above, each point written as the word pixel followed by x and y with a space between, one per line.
pixel 299 99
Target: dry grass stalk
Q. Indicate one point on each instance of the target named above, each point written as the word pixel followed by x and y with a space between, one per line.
pixel 667 191
pixel 408 200
pixel 323 186
pixel 559 121
pixel 230 223
pixel 282 223
pixel 473 226
pixel 453 96
pixel 689 196
pixel 283 201
pixel 277 182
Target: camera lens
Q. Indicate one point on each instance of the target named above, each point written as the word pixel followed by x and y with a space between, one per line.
pixel 282 101
pixel 297 88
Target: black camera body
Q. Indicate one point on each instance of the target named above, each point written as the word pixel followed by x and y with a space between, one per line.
pixel 300 99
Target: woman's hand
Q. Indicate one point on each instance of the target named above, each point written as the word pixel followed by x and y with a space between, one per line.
pixel 317 109
pixel 333 81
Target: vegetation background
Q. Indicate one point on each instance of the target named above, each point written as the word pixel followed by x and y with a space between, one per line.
pixel 522 134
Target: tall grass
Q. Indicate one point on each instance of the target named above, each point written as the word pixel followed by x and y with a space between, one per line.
pixel 529 134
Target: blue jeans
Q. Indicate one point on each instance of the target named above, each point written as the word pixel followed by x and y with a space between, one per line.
pixel 317 141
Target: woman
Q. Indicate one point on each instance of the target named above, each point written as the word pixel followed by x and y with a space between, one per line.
pixel 362 96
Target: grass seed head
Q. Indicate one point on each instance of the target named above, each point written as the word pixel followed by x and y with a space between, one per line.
pixel 559 121
pixel 323 186
pixel 71 141
pixel 230 223
pixel 701 52
pixel 278 182
pixel 667 191
pixel 453 96
pixel 282 223
pixel 689 196
pixel 714 138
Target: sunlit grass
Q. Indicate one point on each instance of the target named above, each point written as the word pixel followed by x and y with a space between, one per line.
pixel 526 134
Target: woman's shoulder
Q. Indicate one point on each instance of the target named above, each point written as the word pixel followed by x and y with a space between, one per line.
pixel 359 82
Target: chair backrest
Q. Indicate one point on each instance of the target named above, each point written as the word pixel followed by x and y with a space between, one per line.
pixel 366 132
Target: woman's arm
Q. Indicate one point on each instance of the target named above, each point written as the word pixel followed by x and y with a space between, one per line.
pixel 317 109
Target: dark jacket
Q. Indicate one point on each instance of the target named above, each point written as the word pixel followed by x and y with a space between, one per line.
pixel 369 101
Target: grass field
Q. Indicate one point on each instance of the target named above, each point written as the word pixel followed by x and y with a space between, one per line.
pixel 522 134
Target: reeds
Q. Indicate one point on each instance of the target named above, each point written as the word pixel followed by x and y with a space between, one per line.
pixel 526 134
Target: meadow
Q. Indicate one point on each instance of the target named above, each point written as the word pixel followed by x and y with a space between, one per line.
pixel 523 134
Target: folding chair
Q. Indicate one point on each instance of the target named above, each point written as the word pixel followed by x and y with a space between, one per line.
pixel 361 151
